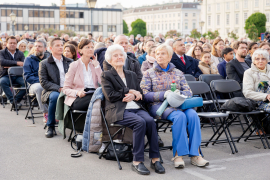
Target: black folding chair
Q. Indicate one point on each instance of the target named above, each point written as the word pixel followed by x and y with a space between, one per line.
pixel 74 122
pixel 189 77
pixel 229 87
pixel 3 102
pixel 15 72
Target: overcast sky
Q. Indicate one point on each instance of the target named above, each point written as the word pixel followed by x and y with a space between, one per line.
pixel 100 3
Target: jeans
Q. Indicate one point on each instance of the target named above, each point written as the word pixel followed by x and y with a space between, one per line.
pixel 5 84
pixel 52 107
pixel 183 121
pixel 37 90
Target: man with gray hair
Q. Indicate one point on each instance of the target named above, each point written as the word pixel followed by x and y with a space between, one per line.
pixel 131 63
pixel 30 68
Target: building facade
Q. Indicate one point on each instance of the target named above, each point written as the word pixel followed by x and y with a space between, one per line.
pixel 82 20
pixel 183 17
pixel 230 15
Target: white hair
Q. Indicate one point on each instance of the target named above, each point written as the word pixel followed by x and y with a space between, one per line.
pixel 117 38
pixel 19 43
pixel 262 52
pixel 167 42
pixel 113 48
pixel 168 48
pixel 75 38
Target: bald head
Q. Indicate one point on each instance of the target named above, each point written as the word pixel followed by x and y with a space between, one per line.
pixel 122 40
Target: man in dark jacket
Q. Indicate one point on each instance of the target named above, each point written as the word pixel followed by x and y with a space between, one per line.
pixel 130 63
pixel 30 69
pixel 100 52
pixel 52 77
pixel 186 64
pixel 10 56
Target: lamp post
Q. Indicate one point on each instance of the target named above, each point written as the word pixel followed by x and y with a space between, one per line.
pixel 26 28
pixel 201 25
pixel 13 21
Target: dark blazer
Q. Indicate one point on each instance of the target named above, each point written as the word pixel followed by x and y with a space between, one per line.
pixel 235 71
pixel 132 65
pixel 222 69
pixel 101 55
pixel 191 66
pixel 7 60
pixel 114 91
pixel 49 76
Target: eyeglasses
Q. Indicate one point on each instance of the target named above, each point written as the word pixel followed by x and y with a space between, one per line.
pixel 260 60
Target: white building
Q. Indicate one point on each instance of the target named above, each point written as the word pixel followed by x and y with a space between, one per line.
pixel 230 15
pixel 183 17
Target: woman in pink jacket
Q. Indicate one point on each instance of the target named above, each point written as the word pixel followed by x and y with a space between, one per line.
pixel 82 78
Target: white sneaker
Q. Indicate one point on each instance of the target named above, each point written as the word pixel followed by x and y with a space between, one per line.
pixel 199 161
pixel 4 95
pixel 102 148
pixel 179 163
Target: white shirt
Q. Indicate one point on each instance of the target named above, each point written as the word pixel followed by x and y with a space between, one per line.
pixel 60 66
pixel 131 104
pixel 88 79
pixel 12 54
pixel 180 57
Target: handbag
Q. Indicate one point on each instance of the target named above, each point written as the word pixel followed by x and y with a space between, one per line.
pixel 192 103
pixel 123 152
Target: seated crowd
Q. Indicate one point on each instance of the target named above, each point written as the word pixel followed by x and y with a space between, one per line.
pixel 131 79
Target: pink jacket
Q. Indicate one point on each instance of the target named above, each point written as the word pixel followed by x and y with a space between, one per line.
pixel 74 80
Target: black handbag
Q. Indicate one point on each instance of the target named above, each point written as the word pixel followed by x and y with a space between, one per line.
pixel 239 104
pixel 123 152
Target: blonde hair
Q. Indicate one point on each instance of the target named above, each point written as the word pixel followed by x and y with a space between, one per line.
pixel 166 47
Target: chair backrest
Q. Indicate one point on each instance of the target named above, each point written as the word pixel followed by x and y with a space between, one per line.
pixel 189 77
pixel 209 77
pixel 198 87
pixel 225 86
pixel 15 71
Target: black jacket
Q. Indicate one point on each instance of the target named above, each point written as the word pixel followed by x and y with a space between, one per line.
pixel 132 65
pixel 49 76
pixel 248 58
pixel 114 91
pixel 191 66
pixel 6 60
pixel 101 55
pixel 235 71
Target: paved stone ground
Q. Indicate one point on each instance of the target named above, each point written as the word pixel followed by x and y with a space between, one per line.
pixel 25 153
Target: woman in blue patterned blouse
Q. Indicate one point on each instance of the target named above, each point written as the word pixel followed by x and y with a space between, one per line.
pixel 156 86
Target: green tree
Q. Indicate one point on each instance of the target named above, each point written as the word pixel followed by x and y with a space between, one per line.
pixel 258 20
pixel 232 35
pixel 125 28
pixel 138 27
pixel 211 34
pixel 172 32
pixel 195 34
pixel 252 32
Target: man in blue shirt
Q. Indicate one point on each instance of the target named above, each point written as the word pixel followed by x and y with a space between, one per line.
pixel 146 46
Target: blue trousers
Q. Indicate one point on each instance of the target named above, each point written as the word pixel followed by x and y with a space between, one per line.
pixel 5 84
pixel 142 124
pixel 52 107
pixel 183 121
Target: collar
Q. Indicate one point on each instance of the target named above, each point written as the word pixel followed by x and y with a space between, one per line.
pixel 57 59
pixel 11 53
pixel 179 56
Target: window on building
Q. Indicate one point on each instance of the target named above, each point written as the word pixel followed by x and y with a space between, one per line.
pixel 267 17
pixel 52 14
pixel 8 26
pixel 41 26
pixel 186 14
pixel 166 26
pixel 236 4
pixel 9 11
pixel 194 14
pixel 186 25
pixel 3 12
pixel 20 27
pixel 81 27
pixel 81 15
pixel 245 17
pixel 245 4
pixel 96 28
pixel 158 26
pixel 227 19
pixel 236 31
pixel 194 25
pixel 218 19
pixel 236 18
pixel 72 14
pixel 267 2
pixel 47 26
pixel 36 27
pixel 162 27
pixel 228 5
pixel 19 13
pixel 218 6
pixel 173 25
pixel 151 26
pixel 209 7
pixel 178 14
pixel 41 13
pixel 178 25
pixel 256 3
pixel 31 27
pixel 36 13
pixel 209 20
pixel 170 26
pixel 228 30
pixel 47 13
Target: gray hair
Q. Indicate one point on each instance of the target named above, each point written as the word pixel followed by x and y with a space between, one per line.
pixel 117 37
pixel 111 49
pixel 166 47
pixel 167 42
pixel 42 41
pixel 262 52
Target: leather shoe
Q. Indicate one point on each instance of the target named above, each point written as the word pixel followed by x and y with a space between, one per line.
pixel 160 142
pixel 157 166
pixel 140 169
pixel 49 132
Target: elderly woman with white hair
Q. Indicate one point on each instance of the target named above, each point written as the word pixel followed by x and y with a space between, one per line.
pixel 256 80
pixel 22 47
pixel 169 42
pixel 156 87
pixel 123 96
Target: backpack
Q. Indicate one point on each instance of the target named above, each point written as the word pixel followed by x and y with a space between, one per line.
pixel 239 104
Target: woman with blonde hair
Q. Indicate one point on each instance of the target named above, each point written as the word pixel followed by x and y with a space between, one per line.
pixel 100 38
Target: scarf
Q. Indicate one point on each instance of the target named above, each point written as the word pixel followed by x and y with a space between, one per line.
pixel 150 59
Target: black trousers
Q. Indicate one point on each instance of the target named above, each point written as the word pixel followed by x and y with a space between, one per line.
pixel 82 104
pixel 142 124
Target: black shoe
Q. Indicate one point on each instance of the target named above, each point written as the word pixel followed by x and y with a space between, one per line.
pixel 49 132
pixel 140 169
pixel 157 166
pixel 160 142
